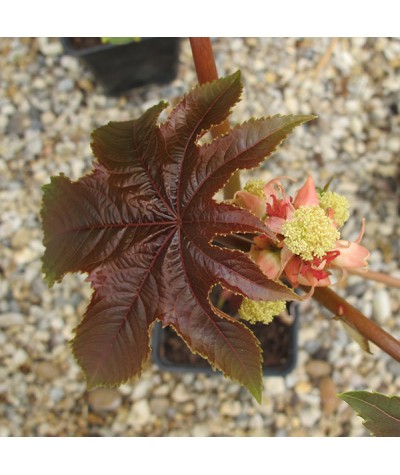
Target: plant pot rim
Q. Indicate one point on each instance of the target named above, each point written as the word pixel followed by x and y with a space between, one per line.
pixel 69 49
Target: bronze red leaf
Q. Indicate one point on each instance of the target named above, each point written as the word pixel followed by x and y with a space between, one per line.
pixel 142 225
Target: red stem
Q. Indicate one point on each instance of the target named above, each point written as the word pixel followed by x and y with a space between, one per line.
pixel 353 317
pixel 378 277
pixel 204 61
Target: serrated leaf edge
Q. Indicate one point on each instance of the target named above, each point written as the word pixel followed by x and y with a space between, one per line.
pixel 132 378
pixel 348 395
pixel 257 395
pixel 198 86
pixel 252 120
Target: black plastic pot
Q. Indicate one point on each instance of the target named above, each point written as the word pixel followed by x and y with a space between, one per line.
pixel 119 68
pixel 166 344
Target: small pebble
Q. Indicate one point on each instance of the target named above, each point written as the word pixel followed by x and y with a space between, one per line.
pixel 329 398
pixel 310 416
pixel 382 310
pixel 159 406
pixel 11 319
pixel 104 399
pixel 5 431
pixel 65 85
pixel 231 408
pixel 141 389
pixel 56 394
pixel 303 387
pixel 140 413
pixel 274 386
pixel 180 394
pixel 318 368
pixel 46 371
pixel 70 63
pixel 200 430
pixel 51 49
pixel 162 390
pixel 19 358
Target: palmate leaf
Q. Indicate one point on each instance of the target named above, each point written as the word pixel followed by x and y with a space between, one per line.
pixel 381 413
pixel 142 226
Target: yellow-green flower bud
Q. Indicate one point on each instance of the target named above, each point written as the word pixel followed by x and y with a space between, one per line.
pixel 255 187
pixel 310 233
pixel 264 312
pixel 338 203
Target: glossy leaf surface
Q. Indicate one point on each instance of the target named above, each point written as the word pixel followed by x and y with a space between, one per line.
pixel 142 226
pixel 381 413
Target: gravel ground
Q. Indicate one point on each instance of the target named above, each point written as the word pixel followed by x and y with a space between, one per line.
pixel 49 103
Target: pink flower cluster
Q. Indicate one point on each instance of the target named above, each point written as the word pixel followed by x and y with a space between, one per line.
pixel 307 245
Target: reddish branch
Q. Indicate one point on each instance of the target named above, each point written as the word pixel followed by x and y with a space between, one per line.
pixel 204 61
pixel 353 317
pixel 206 70
pixel 378 277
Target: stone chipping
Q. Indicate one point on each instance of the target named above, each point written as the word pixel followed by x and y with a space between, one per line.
pixel 50 102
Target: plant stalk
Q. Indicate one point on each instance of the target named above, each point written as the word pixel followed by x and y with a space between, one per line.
pixel 388 280
pixel 206 70
pixel 353 317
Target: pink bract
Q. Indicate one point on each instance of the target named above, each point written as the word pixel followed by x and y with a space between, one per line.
pixel 275 258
